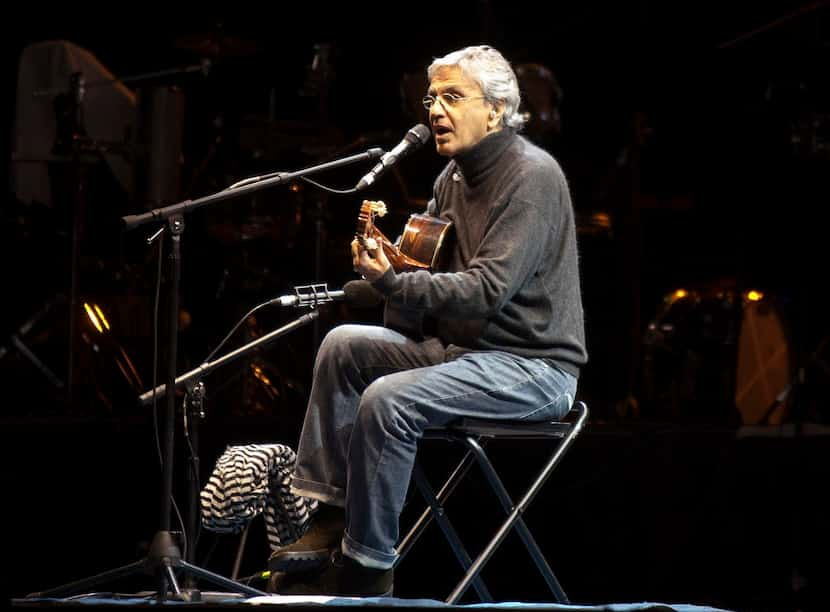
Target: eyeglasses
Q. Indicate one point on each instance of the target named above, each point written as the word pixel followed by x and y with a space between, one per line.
pixel 448 99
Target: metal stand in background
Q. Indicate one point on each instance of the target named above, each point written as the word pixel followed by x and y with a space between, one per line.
pixel 795 392
pixel 164 556
pixel 74 148
pixel 76 95
pixel 18 338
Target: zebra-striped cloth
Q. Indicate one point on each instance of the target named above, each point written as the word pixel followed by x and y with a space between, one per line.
pixel 255 479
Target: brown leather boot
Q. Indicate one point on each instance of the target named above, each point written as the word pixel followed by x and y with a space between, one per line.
pixel 315 547
pixel 340 575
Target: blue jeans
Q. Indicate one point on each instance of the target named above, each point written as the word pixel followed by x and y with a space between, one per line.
pixel 374 392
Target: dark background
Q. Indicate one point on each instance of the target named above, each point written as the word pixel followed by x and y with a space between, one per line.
pixel 698 130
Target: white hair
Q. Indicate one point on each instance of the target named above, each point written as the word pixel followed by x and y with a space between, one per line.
pixel 494 75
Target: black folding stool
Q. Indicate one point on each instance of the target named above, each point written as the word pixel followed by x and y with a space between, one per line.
pixel 472 433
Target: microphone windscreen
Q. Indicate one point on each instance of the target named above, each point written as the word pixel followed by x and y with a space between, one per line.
pixel 421 132
pixel 361 294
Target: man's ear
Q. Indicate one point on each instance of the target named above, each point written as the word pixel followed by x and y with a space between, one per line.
pixel 494 118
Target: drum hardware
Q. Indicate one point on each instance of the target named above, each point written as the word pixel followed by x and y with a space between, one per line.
pixel 793 395
pixel 19 341
pixel 106 366
pixel 106 374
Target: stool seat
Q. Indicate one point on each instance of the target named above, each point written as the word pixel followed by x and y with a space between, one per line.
pixel 472 433
pixel 488 428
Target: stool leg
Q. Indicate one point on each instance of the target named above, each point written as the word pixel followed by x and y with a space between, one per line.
pixel 514 519
pixel 515 514
pixel 426 517
pixel 437 510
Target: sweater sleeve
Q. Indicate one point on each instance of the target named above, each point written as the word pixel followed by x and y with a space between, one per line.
pixel 516 236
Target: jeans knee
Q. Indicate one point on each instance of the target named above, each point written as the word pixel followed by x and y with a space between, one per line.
pixel 375 399
pixel 339 345
pixel 384 411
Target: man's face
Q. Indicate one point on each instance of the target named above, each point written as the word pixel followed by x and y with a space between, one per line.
pixel 459 123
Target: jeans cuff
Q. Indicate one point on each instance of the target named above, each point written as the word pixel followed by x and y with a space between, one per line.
pixel 368 557
pixel 327 494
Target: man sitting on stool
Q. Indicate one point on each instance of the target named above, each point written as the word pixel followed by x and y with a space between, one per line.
pixel 508 340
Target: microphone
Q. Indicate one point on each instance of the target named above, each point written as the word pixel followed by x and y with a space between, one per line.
pixel 358 293
pixel 413 139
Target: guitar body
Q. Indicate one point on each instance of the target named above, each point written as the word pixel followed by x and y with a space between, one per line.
pixel 419 248
pixel 422 239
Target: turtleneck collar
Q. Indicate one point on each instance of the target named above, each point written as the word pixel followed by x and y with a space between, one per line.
pixel 476 162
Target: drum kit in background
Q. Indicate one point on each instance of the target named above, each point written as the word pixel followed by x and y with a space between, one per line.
pixel 718 354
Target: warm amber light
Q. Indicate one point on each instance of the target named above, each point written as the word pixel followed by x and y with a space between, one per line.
pixel 260 375
pixel 675 295
pixel 601 219
pixel 754 296
pixel 93 318
pixel 101 316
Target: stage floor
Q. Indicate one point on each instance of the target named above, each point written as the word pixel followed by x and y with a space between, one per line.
pixel 283 602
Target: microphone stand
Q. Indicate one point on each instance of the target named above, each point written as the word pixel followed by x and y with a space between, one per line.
pixel 207 367
pixel 164 555
pixel 194 412
pixel 169 212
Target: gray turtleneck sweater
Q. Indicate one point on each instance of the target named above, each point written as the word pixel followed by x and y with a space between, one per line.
pixel 511 281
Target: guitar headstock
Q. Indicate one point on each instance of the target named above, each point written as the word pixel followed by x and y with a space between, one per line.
pixel 366 223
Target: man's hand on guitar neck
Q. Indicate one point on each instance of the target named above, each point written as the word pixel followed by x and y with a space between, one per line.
pixel 371 264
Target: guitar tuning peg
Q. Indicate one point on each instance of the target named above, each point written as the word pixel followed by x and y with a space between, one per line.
pixel 380 208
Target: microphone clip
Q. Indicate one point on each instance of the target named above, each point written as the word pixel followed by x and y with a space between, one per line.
pixel 310 296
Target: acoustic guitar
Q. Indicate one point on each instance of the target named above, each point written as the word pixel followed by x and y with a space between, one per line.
pixel 418 248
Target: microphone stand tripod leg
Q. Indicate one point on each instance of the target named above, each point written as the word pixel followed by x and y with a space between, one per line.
pixel 83 584
pixel 170 578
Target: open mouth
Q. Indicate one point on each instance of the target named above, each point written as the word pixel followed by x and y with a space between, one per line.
pixel 440 130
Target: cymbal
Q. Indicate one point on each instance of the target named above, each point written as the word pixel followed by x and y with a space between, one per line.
pixel 217 44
